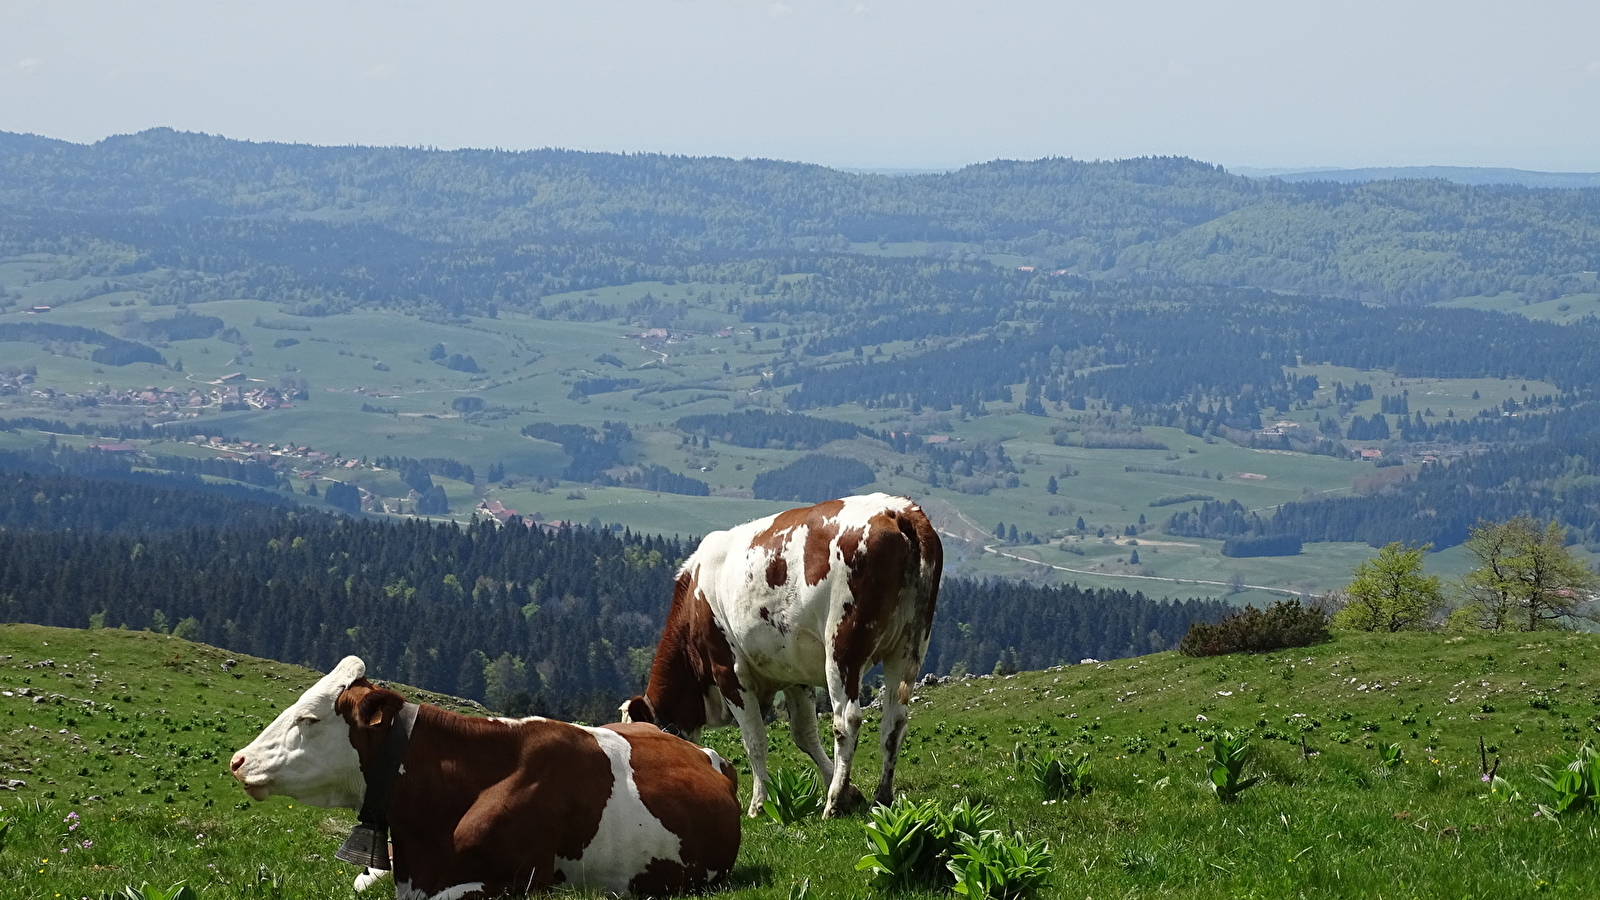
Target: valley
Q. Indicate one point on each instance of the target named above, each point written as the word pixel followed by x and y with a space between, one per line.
pixel 363 386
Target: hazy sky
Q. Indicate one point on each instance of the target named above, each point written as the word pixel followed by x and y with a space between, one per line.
pixel 872 83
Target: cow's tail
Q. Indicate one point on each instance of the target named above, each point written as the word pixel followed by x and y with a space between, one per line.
pixel 921 580
pixel 927 555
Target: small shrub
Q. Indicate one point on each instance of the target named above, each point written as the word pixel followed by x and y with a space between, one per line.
pixel 1059 779
pixel 995 867
pixel 1283 624
pixel 792 796
pixel 1229 753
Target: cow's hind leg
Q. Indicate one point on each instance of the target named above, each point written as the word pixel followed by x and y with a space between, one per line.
pixel 803 725
pixel 897 677
pixel 754 732
pixel 846 731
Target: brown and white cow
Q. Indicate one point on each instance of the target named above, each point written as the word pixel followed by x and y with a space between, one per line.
pixel 812 596
pixel 482 807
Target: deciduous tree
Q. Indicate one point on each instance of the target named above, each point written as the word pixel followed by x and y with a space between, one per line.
pixel 1526 579
pixel 1390 593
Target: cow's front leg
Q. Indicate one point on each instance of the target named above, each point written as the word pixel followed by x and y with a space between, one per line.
pixel 370 877
pixel 846 730
pixel 803 725
pixel 754 733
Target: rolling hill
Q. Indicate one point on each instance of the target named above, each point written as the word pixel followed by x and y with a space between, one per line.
pixel 130 731
pixel 392 226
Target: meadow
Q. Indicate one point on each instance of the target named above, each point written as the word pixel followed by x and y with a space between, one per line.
pixel 1562 310
pixel 125 764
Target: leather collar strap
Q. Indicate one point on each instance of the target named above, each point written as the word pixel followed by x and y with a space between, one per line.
pixel 368 844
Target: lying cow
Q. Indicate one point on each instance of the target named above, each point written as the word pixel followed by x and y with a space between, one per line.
pixel 811 596
pixel 480 807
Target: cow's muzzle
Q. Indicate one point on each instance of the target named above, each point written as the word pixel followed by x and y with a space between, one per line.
pixel 258 791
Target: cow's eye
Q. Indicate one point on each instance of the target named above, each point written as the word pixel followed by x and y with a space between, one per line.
pixel 306 719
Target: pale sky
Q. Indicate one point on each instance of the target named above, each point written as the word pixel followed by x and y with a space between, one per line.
pixel 868 83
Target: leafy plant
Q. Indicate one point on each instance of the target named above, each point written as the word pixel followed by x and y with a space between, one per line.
pixel 1575 783
pixel 1390 757
pixel 904 844
pixel 914 843
pixel 1229 753
pixel 1059 779
pixel 995 867
pixel 179 891
pixel 966 820
pixel 1501 789
pixel 266 885
pixel 792 796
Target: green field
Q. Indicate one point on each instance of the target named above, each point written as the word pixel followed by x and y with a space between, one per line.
pixel 142 764
pixel 1560 310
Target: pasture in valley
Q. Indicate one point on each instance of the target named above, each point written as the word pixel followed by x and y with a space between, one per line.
pixel 1564 309
pixel 134 787
pixel 371 389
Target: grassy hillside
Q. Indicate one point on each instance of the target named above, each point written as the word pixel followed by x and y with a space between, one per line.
pixel 133 735
pixel 1331 825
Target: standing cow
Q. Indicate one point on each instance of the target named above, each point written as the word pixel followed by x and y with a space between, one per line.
pixel 480 807
pixel 811 596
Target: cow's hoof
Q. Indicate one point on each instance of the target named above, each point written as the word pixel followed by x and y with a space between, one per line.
pixel 850 800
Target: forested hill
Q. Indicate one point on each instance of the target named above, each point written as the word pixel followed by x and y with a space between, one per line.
pixel 516 225
pixel 529 620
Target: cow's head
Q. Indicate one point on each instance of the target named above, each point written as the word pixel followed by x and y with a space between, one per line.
pixel 694 714
pixel 307 752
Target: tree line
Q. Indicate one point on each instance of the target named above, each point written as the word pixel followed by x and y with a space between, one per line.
pixel 563 621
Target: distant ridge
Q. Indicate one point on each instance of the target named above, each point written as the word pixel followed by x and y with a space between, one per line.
pixel 544 222
pixel 1459 174
pixel 898 173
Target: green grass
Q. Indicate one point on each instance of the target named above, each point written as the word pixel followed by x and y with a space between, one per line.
pixel 1333 825
pixel 134 737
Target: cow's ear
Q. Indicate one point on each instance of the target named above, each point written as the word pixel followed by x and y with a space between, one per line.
pixel 639 709
pixel 378 708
